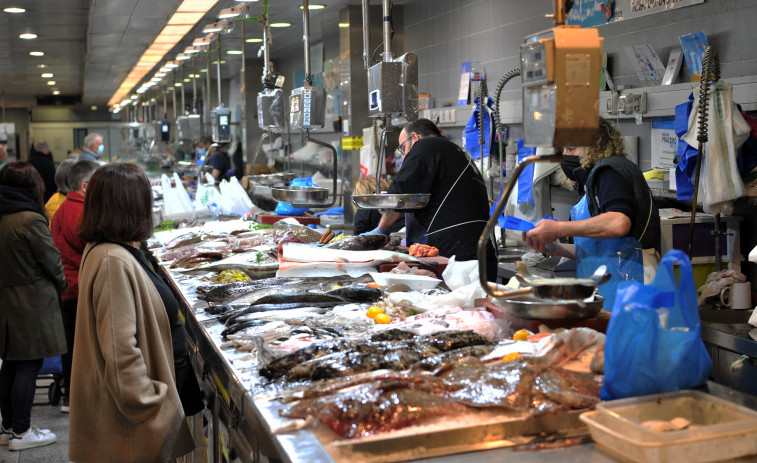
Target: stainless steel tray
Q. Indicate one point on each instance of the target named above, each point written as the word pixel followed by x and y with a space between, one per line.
pixel 538 309
pixel 283 178
pixel 391 201
pixel 301 196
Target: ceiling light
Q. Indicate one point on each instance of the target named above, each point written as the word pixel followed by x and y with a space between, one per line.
pixel 134 97
pixel 42 66
pixel 93 108
pixel 27 36
pixel 213 27
pixel 160 74
pixel 47 75
pixel 204 41
pixel 155 79
pixel 177 84
pixel 187 80
pixel 172 65
pixel 344 24
pixel 14 9
pixel 50 82
pixel 240 1
pixel 190 50
pixel 56 92
pixel 234 52
pixel 37 53
pixel 315 7
pixel 216 62
pixel 254 40
pixel 232 12
pixel 203 70
pixel 280 24
pixel 182 57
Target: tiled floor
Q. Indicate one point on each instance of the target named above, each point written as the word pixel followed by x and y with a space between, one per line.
pixel 44 417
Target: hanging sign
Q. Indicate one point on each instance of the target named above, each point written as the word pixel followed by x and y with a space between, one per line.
pixel 588 13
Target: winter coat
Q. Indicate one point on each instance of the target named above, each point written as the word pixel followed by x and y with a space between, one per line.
pixel 124 404
pixel 65 226
pixel 31 281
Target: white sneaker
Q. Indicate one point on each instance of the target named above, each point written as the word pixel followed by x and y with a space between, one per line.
pixel 5 435
pixel 34 437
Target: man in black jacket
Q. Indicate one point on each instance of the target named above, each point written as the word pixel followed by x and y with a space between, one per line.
pixel 458 209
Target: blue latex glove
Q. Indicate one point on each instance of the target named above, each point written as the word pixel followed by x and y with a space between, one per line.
pixel 375 231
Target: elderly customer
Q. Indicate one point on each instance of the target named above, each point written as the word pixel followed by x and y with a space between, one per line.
pixel 61 181
pixel 93 147
pixel 124 403
pixel 31 281
pixel 65 230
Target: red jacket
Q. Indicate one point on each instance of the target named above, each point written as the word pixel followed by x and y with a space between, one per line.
pixel 64 228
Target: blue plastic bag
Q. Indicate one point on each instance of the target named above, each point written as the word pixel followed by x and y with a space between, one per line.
pixel 471 131
pixel 526 178
pixel 654 341
pixel 287 209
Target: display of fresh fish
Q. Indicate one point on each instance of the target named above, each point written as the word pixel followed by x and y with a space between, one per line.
pixel 361 242
pixel 354 408
pixel 196 259
pixel 280 366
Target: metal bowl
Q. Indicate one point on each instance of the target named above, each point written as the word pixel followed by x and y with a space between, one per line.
pixel 301 196
pixel 532 308
pixel 391 201
pixel 283 178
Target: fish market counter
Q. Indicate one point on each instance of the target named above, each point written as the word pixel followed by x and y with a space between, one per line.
pixel 238 426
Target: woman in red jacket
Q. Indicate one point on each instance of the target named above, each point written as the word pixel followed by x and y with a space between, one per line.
pixel 64 227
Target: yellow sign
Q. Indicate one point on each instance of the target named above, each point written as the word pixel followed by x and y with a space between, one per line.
pixel 352 143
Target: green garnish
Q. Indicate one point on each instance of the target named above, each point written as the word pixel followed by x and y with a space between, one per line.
pixel 166 225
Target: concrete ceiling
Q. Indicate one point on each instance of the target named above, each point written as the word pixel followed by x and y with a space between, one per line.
pixel 91 45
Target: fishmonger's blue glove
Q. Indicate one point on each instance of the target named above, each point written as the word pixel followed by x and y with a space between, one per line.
pixel 376 231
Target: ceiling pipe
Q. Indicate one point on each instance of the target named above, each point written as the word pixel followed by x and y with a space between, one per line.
pixel 218 70
pixel 306 40
pixel 366 37
pixel 387 30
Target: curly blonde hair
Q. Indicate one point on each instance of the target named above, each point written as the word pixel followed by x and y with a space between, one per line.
pixel 609 143
pixel 367 186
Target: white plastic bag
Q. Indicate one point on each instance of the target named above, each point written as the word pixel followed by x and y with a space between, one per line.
pixel 720 181
pixel 176 202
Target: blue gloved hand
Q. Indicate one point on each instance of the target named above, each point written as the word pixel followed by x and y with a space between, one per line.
pixel 375 231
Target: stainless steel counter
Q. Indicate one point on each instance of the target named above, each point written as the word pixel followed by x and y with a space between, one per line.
pixel 240 426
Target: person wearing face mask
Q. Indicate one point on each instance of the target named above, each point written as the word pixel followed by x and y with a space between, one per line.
pixel 616 222
pixel 93 147
pixel 202 150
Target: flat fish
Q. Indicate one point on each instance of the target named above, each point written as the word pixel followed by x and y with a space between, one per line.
pixel 361 243
pixel 357 293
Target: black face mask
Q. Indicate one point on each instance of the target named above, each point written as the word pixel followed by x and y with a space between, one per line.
pixel 569 165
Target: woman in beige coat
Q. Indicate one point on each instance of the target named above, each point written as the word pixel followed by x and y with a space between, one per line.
pixel 124 404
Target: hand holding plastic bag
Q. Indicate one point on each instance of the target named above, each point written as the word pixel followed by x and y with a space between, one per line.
pixel 654 339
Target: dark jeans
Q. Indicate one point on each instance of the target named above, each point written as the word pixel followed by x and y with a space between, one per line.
pixel 68 309
pixel 18 381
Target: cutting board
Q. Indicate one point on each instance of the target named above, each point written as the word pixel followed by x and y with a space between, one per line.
pixel 304 220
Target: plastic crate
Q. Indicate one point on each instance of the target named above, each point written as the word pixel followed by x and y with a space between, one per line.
pixel 719 429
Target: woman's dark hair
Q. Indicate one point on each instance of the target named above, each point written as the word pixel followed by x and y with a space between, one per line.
pixel 23 175
pixel 118 207
pixel 424 128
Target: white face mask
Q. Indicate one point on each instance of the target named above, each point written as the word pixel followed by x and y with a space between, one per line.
pixel 100 149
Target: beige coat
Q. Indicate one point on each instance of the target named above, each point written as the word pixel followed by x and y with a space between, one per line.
pixel 124 404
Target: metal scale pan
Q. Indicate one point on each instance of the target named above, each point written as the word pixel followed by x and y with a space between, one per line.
pixel 283 178
pixel 301 196
pixel 387 201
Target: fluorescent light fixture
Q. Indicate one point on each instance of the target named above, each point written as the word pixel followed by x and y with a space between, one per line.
pixel 315 6
pixel 232 12
pixel 344 24
pixel 234 52
pixel 177 84
pixel 213 27
pixel 37 53
pixel 42 66
pixel 27 36
pixel 172 65
pixel 47 75
pixel 56 92
pixel 216 62
pixel 50 82
pixel 280 24
pixel 155 79
pixel 93 108
pixel 187 80
pixel 134 97
pixel 160 74
pixel 14 9
pixel 182 57
pixel 204 41
pixel 254 40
